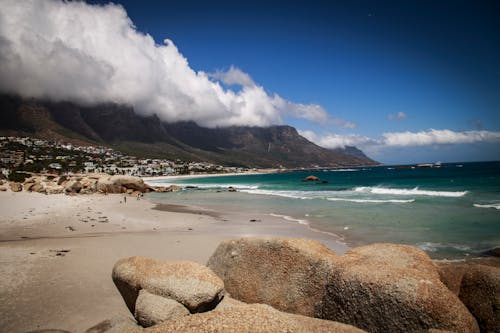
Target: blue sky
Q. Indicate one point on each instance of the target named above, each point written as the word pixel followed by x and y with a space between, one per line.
pixel 438 62
pixel 406 81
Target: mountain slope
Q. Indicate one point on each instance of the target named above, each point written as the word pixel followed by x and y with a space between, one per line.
pixel 120 127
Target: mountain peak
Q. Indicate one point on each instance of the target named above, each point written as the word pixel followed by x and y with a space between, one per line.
pixel 119 127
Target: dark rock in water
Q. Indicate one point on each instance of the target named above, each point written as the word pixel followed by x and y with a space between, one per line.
pixel 324 182
pixel 231 189
pixel 115 325
pixel 191 187
pixel 310 179
pixel 494 252
pixel 255 318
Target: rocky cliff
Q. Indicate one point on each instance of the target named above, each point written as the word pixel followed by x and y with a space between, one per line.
pixel 120 127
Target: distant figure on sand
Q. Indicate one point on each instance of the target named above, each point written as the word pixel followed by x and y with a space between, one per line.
pixel 124 199
pixel 138 196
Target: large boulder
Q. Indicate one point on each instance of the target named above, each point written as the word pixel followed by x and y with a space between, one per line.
pixel 55 189
pixel 480 292
pixel 106 185
pixel 115 325
pixel 288 274
pixel 120 184
pixel 379 287
pixel 392 288
pixel 255 318
pixel 478 287
pixel 152 309
pixel 191 284
pixel 37 187
pixel 228 302
pixel 73 186
pixel 129 182
pixel 89 185
pixel 16 187
pixel 50 330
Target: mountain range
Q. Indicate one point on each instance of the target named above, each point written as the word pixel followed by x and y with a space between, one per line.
pixel 121 128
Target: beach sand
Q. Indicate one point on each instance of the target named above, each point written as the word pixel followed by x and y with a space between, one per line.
pixel 57 251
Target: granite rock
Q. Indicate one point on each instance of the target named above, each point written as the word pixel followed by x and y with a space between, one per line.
pixel 255 318
pixel 191 284
pixel 152 309
pixel 288 274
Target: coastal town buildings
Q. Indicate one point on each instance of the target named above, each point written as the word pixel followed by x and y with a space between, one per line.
pixel 25 154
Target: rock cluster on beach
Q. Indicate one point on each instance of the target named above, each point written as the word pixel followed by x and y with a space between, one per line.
pixel 84 184
pixel 299 285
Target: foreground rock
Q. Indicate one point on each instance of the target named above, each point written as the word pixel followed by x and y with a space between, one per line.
pixel 151 309
pixel 256 318
pixel 120 184
pixel 49 331
pixel 191 284
pixel 380 287
pixel 478 287
pixel 115 325
pixel 288 274
pixel 392 288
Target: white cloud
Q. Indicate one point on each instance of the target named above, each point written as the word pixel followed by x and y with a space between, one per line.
pixel 433 137
pixel 233 76
pixel 316 114
pixel 90 54
pixel 337 141
pixel 398 116
pixel 403 139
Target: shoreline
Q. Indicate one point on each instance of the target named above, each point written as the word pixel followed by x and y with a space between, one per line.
pixel 151 179
pixel 56 248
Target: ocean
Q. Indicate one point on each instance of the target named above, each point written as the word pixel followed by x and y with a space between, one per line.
pixel 452 211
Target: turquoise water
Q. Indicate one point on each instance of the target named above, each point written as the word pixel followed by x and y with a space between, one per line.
pixel 451 212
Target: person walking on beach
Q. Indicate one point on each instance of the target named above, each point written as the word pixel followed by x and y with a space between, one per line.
pixel 124 199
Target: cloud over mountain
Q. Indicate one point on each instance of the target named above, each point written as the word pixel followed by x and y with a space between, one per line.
pixel 404 139
pixel 91 54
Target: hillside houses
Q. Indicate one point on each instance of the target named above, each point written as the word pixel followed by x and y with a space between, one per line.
pixel 37 155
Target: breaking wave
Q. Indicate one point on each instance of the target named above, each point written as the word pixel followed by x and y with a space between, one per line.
pixel 413 191
pixel 496 206
pixel 289 218
pixel 372 200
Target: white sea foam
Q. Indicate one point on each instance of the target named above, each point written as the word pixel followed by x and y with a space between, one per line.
pixel 433 247
pixel 287 194
pixel 496 206
pixel 212 186
pixel 413 191
pixel 289 218
pixel 372 200
pixel 344 170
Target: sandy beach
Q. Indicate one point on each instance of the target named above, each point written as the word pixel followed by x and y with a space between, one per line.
pixel 57 251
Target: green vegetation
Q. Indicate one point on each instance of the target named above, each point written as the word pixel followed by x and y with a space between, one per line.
pixel 18 177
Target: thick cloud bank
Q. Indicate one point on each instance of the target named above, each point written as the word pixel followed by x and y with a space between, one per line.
pixel 404 139
pixel 90 54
